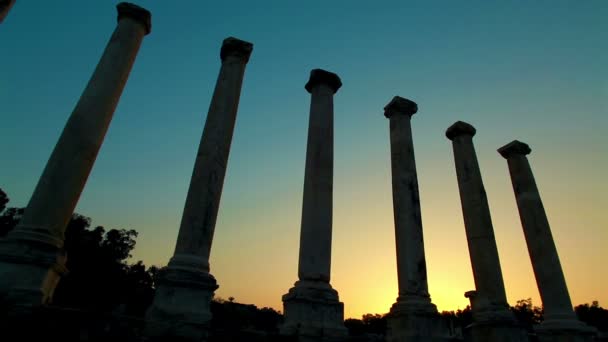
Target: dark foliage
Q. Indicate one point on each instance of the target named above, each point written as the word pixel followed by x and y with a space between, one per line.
pixel 460 318
pixel 99 278
pixel 594 315
pixel 369 324
pixel 527 314
pixel 3 200
pixel 231 316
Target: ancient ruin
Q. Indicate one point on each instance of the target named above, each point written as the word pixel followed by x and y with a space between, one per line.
pixel 560 322
pixel 312 307
pixel 493 321
pixel 32 258
pixel 183 296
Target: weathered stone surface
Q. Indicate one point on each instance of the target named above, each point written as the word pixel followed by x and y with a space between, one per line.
pixel 411 263
pixel 413 317
pixel 492 323
pixel 181 304
pixel 489 302
pixel 31 257
pixel 312 307
pixel 560 322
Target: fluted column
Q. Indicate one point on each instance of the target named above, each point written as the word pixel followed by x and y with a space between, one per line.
pixel 39 236
pixel 411 263
pixel 559 317
pixel 312 307
pixel 5 7
pixel 181 304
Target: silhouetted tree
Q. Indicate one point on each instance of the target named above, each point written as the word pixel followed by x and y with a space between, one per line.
pixel 3 200
pixel 527 314
pixel 461 318
pixel 9 217
pixel 594 315
pixel 228 317
pixel 355 327
pixel 99 277
pixel 374 324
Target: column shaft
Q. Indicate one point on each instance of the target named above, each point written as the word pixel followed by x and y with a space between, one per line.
pixel 182 303
pixel 478 222
pixel 411 263
pixel 64 177
pixel 312 307
pixel 38 238
pixel 316 228
pixel 203 200
pixel 541 247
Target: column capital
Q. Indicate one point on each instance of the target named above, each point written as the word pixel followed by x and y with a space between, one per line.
pixel 513 148
pixel 320 76
pixel 400 105
pixel 460 128
pixel 235 47
pixel 139 14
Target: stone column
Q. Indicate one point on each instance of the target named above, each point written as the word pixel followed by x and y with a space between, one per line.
pixel 312 307
pixel 5 6
pixel 31 257
pixel 181 303
pixel 560 322
pixel 413 317
pixel 493 319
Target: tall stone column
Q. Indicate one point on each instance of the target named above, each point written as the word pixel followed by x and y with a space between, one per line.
pixel 560 322
pixel 5 7
pixel 312 307
pixel 493 321
pixel 32 257
pixel 183 296
pixel 413 317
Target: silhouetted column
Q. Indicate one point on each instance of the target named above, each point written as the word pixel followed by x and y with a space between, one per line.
pixel 38 238
pixel 316 228
pixel 411 263
pixel 485 262
pixel 5 7
pixel 312 307
pixel 490 310
pixel 559 318
pixel 412 317
pixel 186 287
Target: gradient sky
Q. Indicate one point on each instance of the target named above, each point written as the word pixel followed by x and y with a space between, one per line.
pixel 537 73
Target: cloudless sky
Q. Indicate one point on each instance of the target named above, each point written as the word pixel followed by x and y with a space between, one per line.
pixel 535 71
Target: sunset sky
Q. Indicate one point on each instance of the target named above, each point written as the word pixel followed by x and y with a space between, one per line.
pixel 537 73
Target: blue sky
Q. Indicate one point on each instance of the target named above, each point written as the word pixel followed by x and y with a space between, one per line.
pixel 537 73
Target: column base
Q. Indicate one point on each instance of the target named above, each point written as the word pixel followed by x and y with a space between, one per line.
pixel 415 319
pixel 29 271
pixel 181 306
pixel 313 311
pixel 565 330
